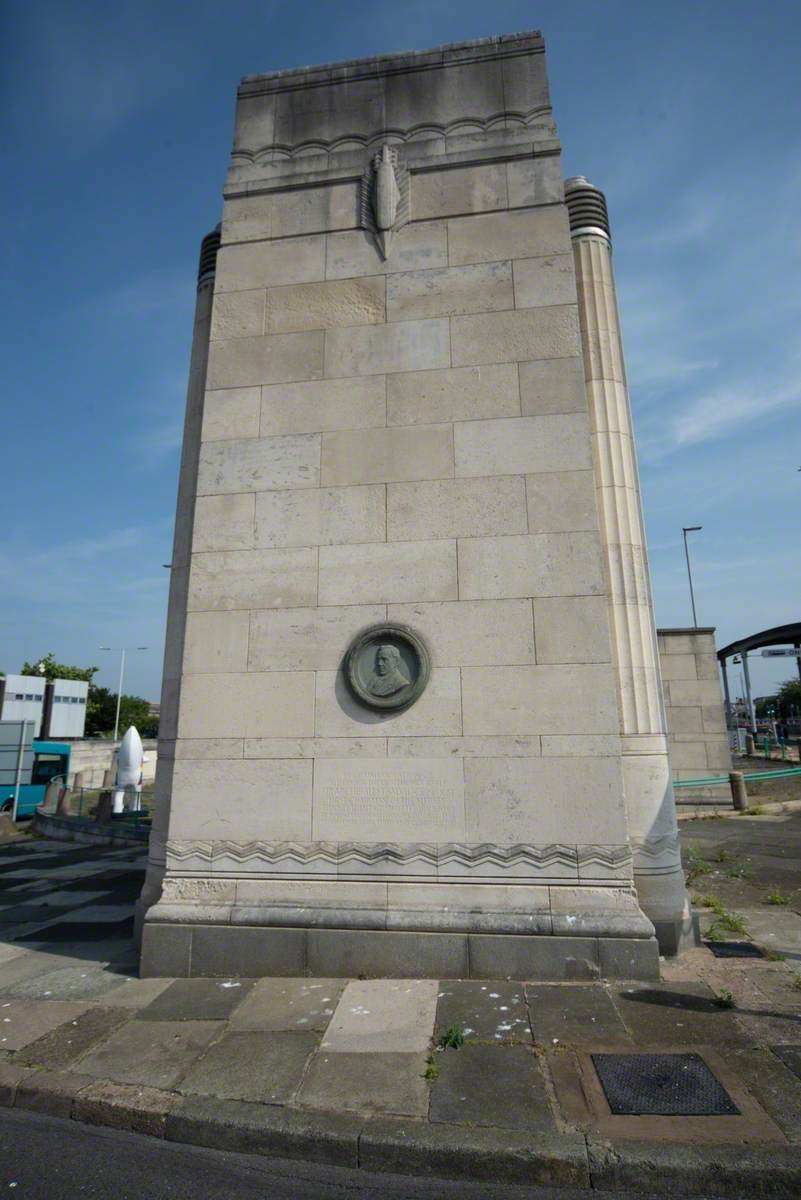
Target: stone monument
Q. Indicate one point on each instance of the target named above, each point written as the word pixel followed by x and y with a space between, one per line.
pixel 411 713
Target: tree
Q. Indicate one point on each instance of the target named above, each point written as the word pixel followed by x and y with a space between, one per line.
pixel 48 668
pixel 101 709
pixel 789 697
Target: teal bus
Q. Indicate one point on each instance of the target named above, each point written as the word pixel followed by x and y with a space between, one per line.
pixel 50 759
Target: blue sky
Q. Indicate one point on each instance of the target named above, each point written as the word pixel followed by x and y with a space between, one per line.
pixel 118 128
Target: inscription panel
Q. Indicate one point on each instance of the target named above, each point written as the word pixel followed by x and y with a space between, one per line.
pixel 368 800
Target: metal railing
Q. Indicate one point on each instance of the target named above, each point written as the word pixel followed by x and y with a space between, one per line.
pixel 719 780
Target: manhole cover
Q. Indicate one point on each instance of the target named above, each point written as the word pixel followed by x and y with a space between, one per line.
pixel 663 1085
pixel 735 950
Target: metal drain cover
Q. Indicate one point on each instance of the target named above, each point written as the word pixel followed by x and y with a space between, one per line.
pixel 735 950
pixel 662 1085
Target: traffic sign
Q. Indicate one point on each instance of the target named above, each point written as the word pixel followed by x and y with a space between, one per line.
pixel 783 652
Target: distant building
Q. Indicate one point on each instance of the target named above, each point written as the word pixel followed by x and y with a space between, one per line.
pixel 57 707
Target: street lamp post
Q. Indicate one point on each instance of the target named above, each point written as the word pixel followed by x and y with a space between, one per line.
pixel 685 530
pixel 122 650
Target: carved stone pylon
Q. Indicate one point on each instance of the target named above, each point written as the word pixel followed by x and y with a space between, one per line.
pixel 385 197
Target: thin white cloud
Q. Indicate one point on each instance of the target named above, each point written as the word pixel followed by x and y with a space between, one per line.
pixel 726 410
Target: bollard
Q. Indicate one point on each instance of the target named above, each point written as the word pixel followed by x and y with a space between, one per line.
pixel 104 806
pixel 739 795
pixel 749 743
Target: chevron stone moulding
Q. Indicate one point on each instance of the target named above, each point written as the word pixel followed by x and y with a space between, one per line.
pixel 560 863
pixel 658 855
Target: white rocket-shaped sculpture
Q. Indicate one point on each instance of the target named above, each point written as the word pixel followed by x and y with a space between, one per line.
pixel 130 759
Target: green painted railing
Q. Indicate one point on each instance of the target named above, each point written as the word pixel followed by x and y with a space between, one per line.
pixel 719 780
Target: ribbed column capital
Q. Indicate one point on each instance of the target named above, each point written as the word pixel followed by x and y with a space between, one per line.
pixel 586 207
pixel 207 264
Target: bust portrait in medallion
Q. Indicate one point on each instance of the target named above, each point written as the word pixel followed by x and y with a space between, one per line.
pixel 389 675
pixel 387 667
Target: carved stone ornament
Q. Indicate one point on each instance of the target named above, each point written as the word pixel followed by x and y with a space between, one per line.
pixel 387 667
pixel 385 197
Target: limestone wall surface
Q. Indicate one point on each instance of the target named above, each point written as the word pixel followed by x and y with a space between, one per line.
pixel 398 439
pixel 699 745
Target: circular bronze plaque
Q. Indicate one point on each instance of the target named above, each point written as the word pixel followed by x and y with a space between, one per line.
pixel 387 667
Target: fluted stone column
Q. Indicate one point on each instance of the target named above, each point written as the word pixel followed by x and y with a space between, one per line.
pixel 179 575
pixel 650 801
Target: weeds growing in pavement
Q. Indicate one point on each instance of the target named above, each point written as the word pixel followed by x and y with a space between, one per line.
pixel 777 896
pixel 724 999
pixel 452 1038
pixel 696 865
pixel 432 1070
pixel 724 920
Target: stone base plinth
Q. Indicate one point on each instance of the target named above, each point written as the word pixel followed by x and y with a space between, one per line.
pixel 248 950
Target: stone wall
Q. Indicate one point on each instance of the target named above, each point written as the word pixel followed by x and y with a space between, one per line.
pixel 696 719
pixel 93 756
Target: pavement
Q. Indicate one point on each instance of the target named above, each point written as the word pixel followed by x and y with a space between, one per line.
pixel 492 1081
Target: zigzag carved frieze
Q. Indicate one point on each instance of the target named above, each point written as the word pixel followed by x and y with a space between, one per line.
pixel 421 132
pixel 349 857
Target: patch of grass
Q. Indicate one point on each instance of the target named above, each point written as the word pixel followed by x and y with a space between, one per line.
pixel 740 870
pixel 756 810
pixel 777 896
pixel 724 999
pixel 452 1038
pixel 721 855
pixel 696 865
pixel 775 956
pixel 724 920
pixel 432 1070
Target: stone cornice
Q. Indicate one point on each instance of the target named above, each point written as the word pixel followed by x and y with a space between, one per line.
pixel 455 54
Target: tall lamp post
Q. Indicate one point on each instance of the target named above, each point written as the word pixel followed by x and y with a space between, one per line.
pixel 685 530
pixel 122 650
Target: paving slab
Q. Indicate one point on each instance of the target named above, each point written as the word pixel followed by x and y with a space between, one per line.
pixel 8 951
pixel 154 1054
pixel 31 963
pixel 69 1041
pixel 777 928
pixel 387 1016
pixel 135 993
pixel 775 1082
pixel 790 1056
pixel 23 1021
pixel 369 1083
pixel 289 1004
pixel 770 1028
pixel 677 1014
pixel 483 1011
pixel 575 1015
pixel 263 1067
pixel 197 1000
pixel 494 1085
pixel 83 982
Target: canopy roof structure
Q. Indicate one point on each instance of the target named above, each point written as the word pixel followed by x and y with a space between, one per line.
pixel 780 635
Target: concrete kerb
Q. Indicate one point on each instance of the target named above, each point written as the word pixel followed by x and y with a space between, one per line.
pixel 409 1146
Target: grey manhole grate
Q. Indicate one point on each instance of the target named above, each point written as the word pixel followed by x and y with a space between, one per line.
pixel 663 1085
pixel 735 950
